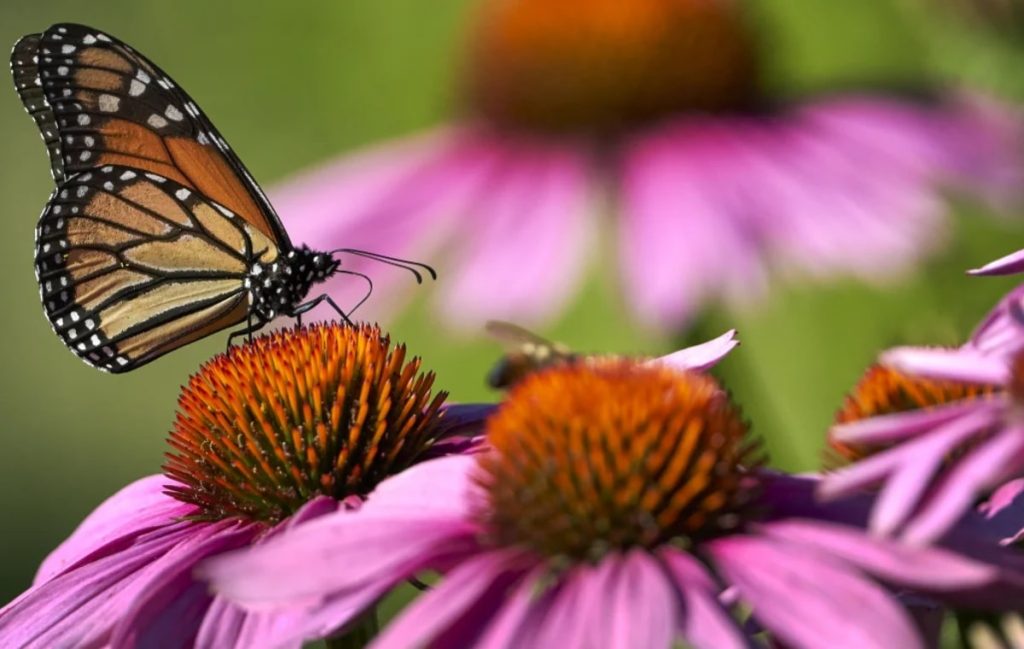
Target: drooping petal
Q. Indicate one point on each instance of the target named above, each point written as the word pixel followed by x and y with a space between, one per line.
pixel 459 591
pixel 966 568
pixel 900 426
pixel 520 615
pixel 82 605
pixel 568 620
pixel 140 506
pixel 528 234
pixel 704 623
pixel 408 520
pixel 907 470
pixel 963 364
pixel 807 599
pixel 920 462
pixel 1004 512
pixel 1001 333
pixel 643 607
pixel 403 199
pixel 682 239
pixel 994 462
pixel 703 356
pixel 174 599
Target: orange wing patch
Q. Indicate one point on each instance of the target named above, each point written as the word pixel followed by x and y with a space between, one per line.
pixel 111 106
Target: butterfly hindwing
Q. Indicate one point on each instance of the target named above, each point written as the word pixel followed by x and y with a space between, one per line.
pixel 112 106
pixel 132 265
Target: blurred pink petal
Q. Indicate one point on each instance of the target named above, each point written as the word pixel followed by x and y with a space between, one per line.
pixel 996 461
pixel 705 624
pixel 707 206
pixel 900 425
pixel 963 364
pixel 829 620
pixel 1011 264
pixel 439 608
pixel 642 604
pixel 529 235
pixel 703 356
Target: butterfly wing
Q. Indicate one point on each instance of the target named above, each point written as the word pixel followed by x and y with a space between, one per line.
pixel 98 102
pixel 132 265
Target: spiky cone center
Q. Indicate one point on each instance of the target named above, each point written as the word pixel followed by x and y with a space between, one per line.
pixel 883 391
pixel 606 65
pixel 324 410
pixel 611 454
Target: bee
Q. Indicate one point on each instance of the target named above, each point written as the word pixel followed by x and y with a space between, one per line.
pixel 526 353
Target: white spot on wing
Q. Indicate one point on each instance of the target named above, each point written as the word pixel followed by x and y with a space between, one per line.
pixel 172 112
pixel 156 121
pixel 109 103
pixel 136 88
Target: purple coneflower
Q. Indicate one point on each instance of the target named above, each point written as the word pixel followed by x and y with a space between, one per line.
pixel 618 504
pixel 951 435
pixel 268 436
pixel 655 105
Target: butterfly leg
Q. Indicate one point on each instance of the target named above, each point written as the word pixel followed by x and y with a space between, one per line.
pixel 303 308
pixel 250 327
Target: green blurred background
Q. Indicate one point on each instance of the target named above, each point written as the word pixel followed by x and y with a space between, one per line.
pixel 290 84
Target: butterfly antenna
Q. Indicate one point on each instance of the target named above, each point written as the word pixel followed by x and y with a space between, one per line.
pixel 398 262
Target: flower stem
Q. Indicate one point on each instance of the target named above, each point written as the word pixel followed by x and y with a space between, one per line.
pixel 359 633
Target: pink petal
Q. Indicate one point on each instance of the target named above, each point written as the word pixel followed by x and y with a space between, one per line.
pixel 173 604
pixel 443 487
pixel 682 241
pixel 408 520
pixel 442 606
pixel 994 462
pixel 807 599
pixel 703 356
pixel 643 607
pixel 962 364
pixel 529 234
pixel 82 605
pixel 569 621
pixel 928 569
pixel 900 426
pixel 333 555
pixel 404 199
pixel 1011 264
pixel 140 506
pixel 704 624
pixel 921 461
pixel 519 613
pixel 1001 333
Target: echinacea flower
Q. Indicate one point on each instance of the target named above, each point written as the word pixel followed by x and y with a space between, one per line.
pixel 656 108
pixel 617 504
pixel 956 440
pixel 269 436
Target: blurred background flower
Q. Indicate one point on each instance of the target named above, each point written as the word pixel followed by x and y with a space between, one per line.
pixel 292 86
pixel 655 111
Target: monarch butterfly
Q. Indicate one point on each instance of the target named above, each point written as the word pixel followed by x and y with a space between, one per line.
pixel 156 235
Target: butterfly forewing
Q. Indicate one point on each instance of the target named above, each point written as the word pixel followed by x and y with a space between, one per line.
pixel 111 106
pixel 24 67
pixel 132 265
